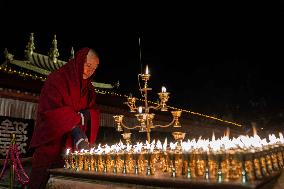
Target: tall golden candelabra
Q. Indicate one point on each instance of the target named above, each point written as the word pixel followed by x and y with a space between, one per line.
pixel 143 115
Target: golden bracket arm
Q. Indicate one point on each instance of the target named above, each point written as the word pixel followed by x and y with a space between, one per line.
pixel 164 126
pixel 130 128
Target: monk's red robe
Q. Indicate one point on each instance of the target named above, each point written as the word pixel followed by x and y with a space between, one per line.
pixel 63 95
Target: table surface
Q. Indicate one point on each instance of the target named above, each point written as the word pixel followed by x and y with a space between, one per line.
pixel 158 181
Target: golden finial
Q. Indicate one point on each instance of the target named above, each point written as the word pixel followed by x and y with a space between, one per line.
pixel 72 53
pixel 8 56
pixel 30 46
pixel 53 53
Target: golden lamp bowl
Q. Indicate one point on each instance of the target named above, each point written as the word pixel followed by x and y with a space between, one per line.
pixel 118 118
pixel 176 114
pixel 178 135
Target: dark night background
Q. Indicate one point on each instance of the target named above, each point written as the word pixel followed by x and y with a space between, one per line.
pixel 222 61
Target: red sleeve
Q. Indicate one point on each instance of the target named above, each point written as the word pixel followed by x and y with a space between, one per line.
pixel 54 119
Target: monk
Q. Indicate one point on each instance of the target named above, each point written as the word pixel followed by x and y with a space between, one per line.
pixel 67 116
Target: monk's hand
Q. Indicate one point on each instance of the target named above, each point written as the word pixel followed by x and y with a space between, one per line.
pixel 80 139
pixel 84 144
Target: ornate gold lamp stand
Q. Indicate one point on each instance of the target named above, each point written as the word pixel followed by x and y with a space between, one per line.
pixel 143 115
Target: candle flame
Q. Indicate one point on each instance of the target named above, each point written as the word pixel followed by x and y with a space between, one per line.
pixel 147 70
pixel 281 137
pixel 159 145
pixel 107 149
pixel 165 144
pixel 138 147
pixel 272 139
pixel 116 148
pixel 128 147
pixel 85 151
pixel 213 136
pixel 67 151
pixel 254 130
pixel 185 146
pixel 224 144
pixel 173 145
pixel 140 109
pixel 92 150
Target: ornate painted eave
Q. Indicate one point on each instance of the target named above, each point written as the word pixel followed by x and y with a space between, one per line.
pixel 28 66
pixel 44 62
pixel 37 63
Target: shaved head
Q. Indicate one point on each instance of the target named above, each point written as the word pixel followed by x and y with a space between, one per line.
pixel 92 54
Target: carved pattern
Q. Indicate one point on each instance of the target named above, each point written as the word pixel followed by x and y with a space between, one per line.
pixel 7 128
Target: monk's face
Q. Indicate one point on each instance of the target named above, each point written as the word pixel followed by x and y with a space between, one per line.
pixel 90 66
